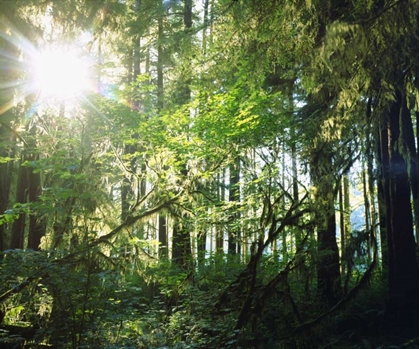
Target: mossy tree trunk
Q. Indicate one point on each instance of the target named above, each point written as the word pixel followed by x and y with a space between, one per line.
pixel 328 269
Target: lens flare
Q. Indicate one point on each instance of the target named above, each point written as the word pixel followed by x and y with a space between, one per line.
pixel 60 73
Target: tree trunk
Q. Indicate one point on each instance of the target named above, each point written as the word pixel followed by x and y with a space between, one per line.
pixel 181 249
pixel 295 180
pixel 126 186
pixel 163 237
pixel 181 244
pixel 283 183
pixel 411 157
pixel 37 223
pixel 370 154
pixel 234 233
pixel 18 227
pixel 368 219
pixel 201 247
pixel 5 179
pixel 342 229
pixel 328 270
pixel 162 227
pixel 129 150
pixel 383 195
pixel 220 228
pixel 205 25
pixel 402 262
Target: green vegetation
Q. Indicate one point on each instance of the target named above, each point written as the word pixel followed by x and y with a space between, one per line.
pixel 209 174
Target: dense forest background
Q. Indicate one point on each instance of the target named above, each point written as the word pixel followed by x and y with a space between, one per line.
pixel 224 174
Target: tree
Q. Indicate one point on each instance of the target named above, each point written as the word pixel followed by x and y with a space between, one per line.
pixel 232 127
pixel 181 240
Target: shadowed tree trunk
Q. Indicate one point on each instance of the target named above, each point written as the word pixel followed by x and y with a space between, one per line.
pixel 163 238
pixel 328 270
pixel 220 228
pixel 181 243
pixel 402 259
pixel 5 179
pixel 234 233
pixel 411 157
pixel 18 227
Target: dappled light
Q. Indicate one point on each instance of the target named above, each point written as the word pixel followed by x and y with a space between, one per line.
pixel 209 174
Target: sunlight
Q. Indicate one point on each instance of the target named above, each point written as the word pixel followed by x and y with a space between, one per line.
pixel 60 73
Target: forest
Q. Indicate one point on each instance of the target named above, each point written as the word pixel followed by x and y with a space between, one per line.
pixel 209 174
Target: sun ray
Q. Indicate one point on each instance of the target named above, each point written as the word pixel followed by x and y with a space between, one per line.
pixel 60 73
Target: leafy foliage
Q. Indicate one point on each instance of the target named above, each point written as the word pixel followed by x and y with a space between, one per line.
pixel 193 198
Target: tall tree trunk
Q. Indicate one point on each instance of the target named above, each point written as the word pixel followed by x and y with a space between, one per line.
pixel 181 243
pixel 403 265
pixel 136 53
pixel 370 154
pixel 5 177
pixel 201 247
pixel 295 179
pixel 220 228
pixel 127 192
pixel 283 183
pixel 328 269
pixel 162 235
pixel 342 229
pixel 160 63
pixel 368 220
pixel 181 249
pixel 162 228
pixel 234 233
pixel 18 227
pixel 411 157
pixel 383 194
pixel 205 25
pixel 37 223
pixel 346 228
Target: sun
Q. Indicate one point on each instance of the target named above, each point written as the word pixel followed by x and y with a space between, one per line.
pixel 60 73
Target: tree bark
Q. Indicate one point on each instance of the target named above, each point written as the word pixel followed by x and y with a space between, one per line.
pixel 411 157
pixel 402 259
pixel 328 269
pixel 18 227
pixel 163 237
pixel 234 233
pixel 5 179
pixel 37 223
pixel 383 195
pixel 181 244
pixel 220 228
pixel 181 249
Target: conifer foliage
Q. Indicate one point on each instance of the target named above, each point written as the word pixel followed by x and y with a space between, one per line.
pixel 209 174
